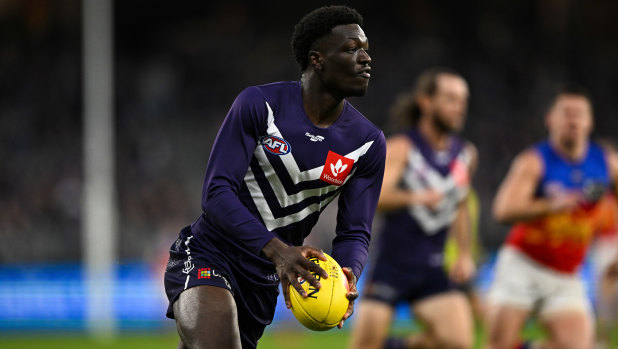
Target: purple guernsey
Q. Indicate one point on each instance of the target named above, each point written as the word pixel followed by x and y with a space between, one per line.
pixel 414 237
pixel 271 172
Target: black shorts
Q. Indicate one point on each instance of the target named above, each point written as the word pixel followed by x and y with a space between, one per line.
pixel 191 264
pixel 393 285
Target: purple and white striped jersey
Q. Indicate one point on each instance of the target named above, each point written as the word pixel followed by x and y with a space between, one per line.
pixel 271 172
pixel 415 236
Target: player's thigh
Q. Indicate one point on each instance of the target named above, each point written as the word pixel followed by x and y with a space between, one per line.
pixel 372 320
pixel 206 317
pixel 504 324
pixel 569 329
pixel 447 318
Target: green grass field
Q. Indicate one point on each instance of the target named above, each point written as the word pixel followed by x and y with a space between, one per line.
pixel 273 339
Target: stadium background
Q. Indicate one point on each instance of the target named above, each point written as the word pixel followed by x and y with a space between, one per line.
pixel 178 67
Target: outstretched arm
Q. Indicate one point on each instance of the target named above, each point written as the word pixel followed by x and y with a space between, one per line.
pixel 516 199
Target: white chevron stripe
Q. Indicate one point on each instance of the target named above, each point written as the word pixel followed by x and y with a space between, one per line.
pixel 290 163
pixel 267 216
pixel 421 176
pixel 284 199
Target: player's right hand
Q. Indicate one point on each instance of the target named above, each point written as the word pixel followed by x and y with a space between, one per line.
pixel 429 198
pixel 564 202
pixel 292 262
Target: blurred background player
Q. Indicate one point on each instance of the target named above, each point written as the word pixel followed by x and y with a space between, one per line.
pixel 551 196
pixel 267 182
pixel 426 182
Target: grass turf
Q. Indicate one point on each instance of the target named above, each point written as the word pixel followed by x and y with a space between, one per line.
pixel 273 339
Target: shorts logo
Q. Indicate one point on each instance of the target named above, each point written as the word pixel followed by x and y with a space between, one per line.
pixel 203 273
pixel 275 145
pixel 336 168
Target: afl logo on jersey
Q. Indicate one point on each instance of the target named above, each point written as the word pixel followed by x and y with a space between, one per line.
pixel 275 145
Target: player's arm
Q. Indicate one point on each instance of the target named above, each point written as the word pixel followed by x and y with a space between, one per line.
pixel 464 267
pixel 237 139
pixel 356 210
pixel 392 196
pixel 516 199
pixel 612 160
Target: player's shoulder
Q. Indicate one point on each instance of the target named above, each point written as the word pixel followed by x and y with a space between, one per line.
pixel 399 142
pixel 529 160
pixel 271 92
pixel 360 121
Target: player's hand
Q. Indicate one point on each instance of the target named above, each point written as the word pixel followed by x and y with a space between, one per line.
pixel 564 202
pixel 463 269
pixel 292 262
pixel 351 295
pixel 429 198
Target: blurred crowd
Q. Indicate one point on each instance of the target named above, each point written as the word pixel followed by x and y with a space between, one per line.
pixel 179 66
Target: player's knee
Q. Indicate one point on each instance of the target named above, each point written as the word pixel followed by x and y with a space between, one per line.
pixel 366 340
pixel 205 317
pixel 452 339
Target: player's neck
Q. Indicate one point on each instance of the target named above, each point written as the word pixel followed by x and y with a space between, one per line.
pixel 322 108
pixel 572 152
pixel 437 138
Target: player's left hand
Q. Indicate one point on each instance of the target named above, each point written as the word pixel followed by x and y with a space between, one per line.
pixel 351 295
pixel 463 269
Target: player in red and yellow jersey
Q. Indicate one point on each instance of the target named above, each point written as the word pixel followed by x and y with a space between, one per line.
pixel 551 196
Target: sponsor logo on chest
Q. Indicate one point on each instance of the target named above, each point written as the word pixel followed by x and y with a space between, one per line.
pixel 336 168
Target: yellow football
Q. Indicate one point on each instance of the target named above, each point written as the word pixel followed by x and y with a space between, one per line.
pixel 323 308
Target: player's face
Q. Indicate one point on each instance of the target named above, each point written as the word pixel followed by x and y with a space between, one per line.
pixel 570 120
pixel 345 61
pixel 449 104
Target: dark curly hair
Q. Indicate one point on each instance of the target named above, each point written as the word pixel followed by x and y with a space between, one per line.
pixel 317 24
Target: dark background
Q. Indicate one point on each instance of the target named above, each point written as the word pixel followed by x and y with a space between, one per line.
pixel 179 66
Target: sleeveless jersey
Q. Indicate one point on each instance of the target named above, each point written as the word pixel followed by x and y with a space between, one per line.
pixel 560 240
pixel 415 236
pixel 272 172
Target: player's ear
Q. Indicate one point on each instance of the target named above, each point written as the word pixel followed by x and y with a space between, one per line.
pixel 315 59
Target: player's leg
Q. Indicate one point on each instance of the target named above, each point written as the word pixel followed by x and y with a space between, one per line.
pixel 512 296
pixel 372 320
pixel 503 326
pixel 206 317
pixel 607 308
pixel 567 313
pixel 447 318
pixel 569 329
pixel 200 296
